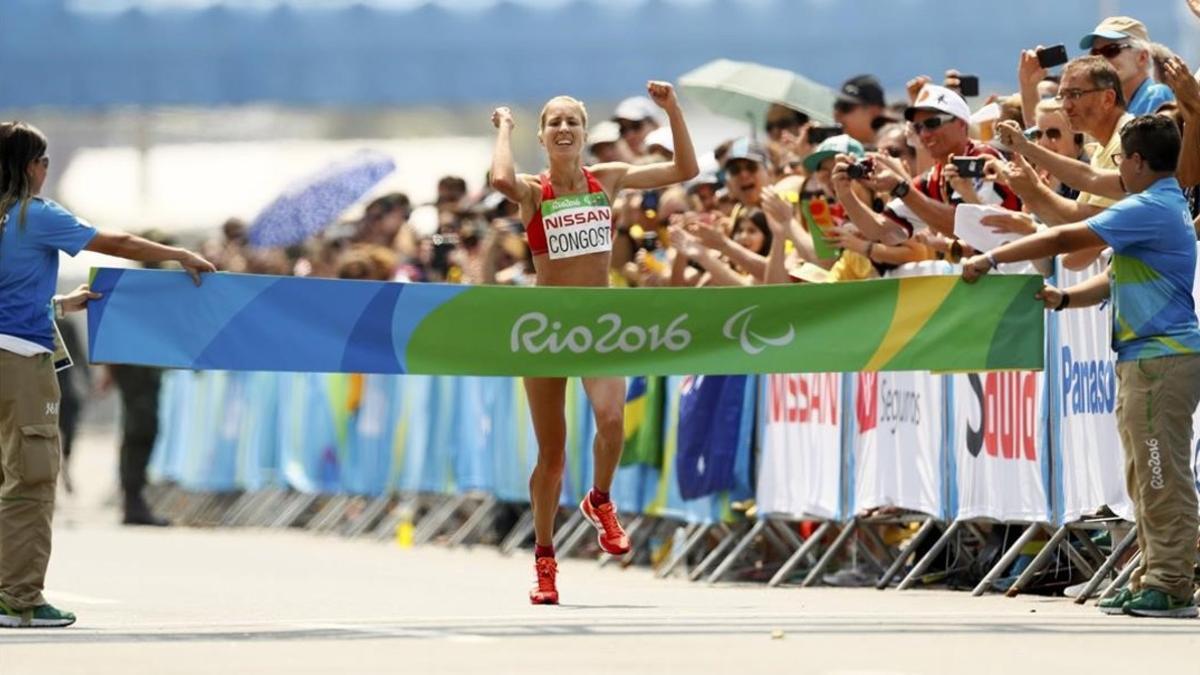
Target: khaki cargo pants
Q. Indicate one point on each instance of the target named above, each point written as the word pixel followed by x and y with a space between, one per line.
pixel 29 463
pixel 1155 402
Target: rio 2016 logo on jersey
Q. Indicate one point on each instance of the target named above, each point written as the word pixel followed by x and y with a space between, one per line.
pixel 1007 415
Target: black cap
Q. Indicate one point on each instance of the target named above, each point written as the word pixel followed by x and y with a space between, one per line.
pixel 862 90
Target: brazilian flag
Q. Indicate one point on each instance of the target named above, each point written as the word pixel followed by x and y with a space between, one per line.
pixel 643 422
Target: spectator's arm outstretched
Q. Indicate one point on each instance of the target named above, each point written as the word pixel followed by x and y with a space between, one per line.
pixel 874 226
pixel 1069 170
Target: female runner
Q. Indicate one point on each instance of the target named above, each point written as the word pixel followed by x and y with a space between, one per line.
pixel 576 252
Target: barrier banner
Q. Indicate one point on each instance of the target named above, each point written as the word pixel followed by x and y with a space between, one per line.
pixel 899 442
pixel 800 469
pixel 643 421
pixel 998 447
pixel 256 322
pixel 1092 462
pixel 715 421
pixel 664 498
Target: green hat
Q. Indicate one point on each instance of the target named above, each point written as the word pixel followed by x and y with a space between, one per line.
pixel 834 145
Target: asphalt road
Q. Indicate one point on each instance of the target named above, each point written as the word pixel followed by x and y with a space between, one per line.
pixel 242 601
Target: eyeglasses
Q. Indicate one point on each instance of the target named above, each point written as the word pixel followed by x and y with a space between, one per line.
pixel 1051 133
pixel 898 153
pixel 1110 51
pixel 737 166
pixel 628 126
pixel 1076 94
pixel 933 123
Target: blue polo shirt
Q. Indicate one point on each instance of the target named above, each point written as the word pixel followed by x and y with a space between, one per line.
pixel 29 267
pixel 1148 98
pixel 1153 268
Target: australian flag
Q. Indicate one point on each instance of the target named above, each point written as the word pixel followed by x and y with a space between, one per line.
pixel 715 416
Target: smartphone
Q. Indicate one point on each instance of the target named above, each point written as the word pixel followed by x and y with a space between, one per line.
pixel 968 85
pixel 817 134
pixel 1050 57
pixel 969 167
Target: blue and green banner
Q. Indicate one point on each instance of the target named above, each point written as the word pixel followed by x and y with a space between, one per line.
pixel 267 323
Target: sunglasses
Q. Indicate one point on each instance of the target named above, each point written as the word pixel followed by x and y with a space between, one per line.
pixel 933 123
pixel 1110 51
pixel 1051 133
pixel 899 153
pixel 630 126
pixel 740 166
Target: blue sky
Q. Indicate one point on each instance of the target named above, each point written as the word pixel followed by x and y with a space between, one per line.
pixel 466 5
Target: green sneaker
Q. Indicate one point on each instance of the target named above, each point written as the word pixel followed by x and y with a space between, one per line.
pixel 1115 604
pixel 1154 603
pixel 44 616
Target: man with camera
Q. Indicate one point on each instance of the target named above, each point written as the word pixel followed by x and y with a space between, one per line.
pixel 1091 97
pixel 941 118
pixel 1157 342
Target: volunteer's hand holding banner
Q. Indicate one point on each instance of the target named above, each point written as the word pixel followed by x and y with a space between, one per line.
pixel 267 323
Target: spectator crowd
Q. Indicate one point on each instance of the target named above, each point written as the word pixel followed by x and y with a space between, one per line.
pixel 802 202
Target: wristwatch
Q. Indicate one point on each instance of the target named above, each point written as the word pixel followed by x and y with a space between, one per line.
pixel 59 312
pixel 901 189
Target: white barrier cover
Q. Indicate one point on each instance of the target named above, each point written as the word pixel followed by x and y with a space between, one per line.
pixel 898 441
pixel 997 444
pixel 800 469
pixel 1093 464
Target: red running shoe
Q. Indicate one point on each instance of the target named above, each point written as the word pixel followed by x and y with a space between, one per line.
pixel 612 537
pixel 545 593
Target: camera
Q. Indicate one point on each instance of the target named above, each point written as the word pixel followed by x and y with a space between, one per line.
pixel 969 167
pixel 968 85
pixel 1052 56
pixel 860 170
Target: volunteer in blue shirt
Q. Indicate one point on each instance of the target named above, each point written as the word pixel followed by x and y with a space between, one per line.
pixel 1157 342
pixel 32 232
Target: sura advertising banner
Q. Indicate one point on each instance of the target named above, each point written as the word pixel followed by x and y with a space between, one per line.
pixel 266 323
pixel 898 441
pixel 800 469
pixel 998 447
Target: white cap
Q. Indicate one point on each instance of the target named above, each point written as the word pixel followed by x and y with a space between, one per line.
pixel 662 138
pixel 604 132
pixel 635 109
pixel 941 99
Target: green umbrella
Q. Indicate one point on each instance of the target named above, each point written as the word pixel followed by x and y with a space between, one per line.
pixel 746 90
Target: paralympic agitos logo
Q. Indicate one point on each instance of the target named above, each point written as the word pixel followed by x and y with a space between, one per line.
pixel 738 328
pixel 1003 418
